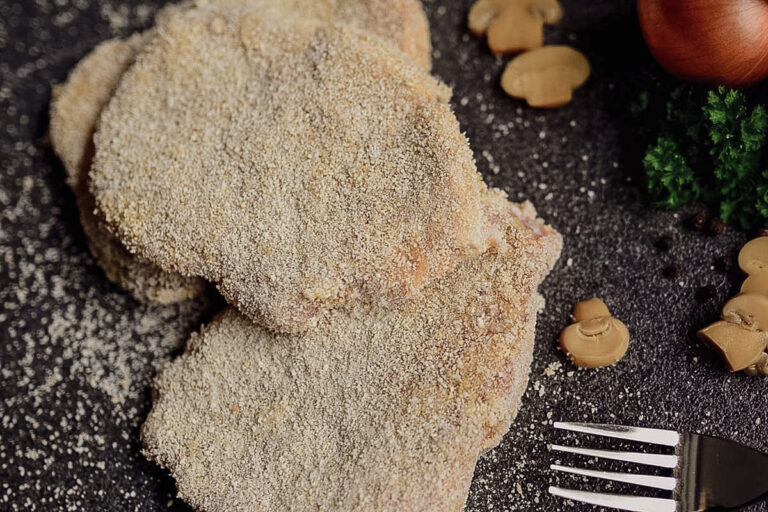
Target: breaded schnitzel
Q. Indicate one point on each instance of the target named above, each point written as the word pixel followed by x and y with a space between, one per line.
pixel 297 164
pixel 78 103
pixel 381 408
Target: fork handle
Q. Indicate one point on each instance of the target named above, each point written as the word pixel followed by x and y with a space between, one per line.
pixel 719 474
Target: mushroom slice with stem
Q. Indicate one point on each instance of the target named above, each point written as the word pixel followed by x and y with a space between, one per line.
pixel 740 347
pixel 759 368
pixel 546 77
pixel 753 257
pixel 756 283
pixel 596 342
pixel 589 309
pixel 748 310
pixel 513 25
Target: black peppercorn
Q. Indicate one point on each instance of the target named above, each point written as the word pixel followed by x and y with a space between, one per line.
pixel 724 263
pixel 705 293
pixel 716 227
pixel 665 243
pixel 699 221
pixel 674 270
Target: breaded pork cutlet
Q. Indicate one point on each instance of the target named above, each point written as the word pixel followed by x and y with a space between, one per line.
pixel 297 164
pixel 400 21
pixel 77 104
pixel 382 408
pixel 74 110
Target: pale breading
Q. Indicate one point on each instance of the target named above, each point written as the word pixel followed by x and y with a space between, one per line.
pixel 295 163
pixel 381 408
pixel 75 108
pixel 401 21
pixel 77 104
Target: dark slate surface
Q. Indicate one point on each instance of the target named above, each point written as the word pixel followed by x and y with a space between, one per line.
pixel 77 355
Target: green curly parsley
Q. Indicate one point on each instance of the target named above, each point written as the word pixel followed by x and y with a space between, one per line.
pixel 716 153
pixel 670 180
pixel 762 197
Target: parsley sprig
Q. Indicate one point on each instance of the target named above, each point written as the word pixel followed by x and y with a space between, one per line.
pixel 670 180
pixel 712 149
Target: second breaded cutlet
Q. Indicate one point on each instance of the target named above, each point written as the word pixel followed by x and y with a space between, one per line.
pixel 382 408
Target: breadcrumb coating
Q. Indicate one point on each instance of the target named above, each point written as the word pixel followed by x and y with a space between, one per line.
pixel 380 408
pixel 401 21
pixel 77 104
pixel 75 108
pixel 295 163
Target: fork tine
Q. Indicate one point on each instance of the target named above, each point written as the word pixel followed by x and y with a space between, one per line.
pixel 644 435
pixel 666 483
pixel 649 459
pixel 630 503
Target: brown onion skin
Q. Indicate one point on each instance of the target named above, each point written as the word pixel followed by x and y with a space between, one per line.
pixel 719 42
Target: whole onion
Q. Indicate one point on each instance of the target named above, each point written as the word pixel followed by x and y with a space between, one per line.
pixel 712 41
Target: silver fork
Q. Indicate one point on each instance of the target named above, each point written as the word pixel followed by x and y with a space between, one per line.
pixel 709 473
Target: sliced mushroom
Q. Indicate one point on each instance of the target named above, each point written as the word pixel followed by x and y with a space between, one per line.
pixel 546 77
pixel 760 368
pixel 596 342
pixel 740 347
pixel 482 13
pixel 753 257
pixel 756 283
pixel 513 25
pixel 589 309
pixel 748 310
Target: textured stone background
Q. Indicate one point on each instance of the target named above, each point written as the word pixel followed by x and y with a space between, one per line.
pixel 77 355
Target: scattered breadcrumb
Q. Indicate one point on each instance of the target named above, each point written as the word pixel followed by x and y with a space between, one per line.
pixel 77 355
pixel 553 368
